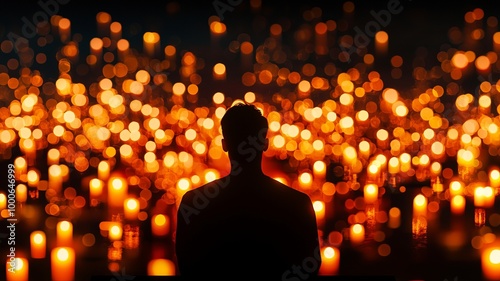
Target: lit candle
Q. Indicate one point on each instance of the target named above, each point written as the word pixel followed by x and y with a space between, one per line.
pixel 370 193
pixel 494 177
pixel 420 206
pixel 115 231
pixel 3 201
pixel 394 165
pixel 321 42
pixel 484 197
pixel 405 162
pixel 21 193
pixel 357 233
pixel 64 26
pixel 95 190
pixel 116 31
pixel 117 191
pixel 64 234
pixel 305 180
pixel 490 263
pixel 63 264
pixel 38 244
pixel 55 178
pixel 151 43
pixel 161 267
pixel 219 71
pixel 394 217
pixel 103 170
pixel 457 204
pixel 330 260
pixel 131 208
pixel 160 225
pixel 53 156
pixel 319 170
pixel 17 269
pixel 20 167
pixel 364 149
pixel 381 42
pixel 319 210
pixel 456 188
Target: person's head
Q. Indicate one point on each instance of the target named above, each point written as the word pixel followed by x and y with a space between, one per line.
pixel 244 132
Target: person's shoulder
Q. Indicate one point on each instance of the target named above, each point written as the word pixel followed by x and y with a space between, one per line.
pixel 288 190
pixel 208 189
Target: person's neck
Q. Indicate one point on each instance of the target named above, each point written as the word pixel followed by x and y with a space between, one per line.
pixel 250 170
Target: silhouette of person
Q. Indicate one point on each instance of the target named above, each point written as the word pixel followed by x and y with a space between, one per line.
pixel 246 225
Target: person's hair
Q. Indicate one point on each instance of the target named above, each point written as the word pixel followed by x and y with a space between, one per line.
pixel 242 121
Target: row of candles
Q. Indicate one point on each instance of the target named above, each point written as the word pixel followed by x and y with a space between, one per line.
pixel 62 256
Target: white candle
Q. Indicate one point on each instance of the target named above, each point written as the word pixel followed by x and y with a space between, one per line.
pixel 63 264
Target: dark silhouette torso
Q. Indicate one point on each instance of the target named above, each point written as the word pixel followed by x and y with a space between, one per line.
pixel 253 226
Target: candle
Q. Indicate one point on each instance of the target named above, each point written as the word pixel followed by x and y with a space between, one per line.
pixel 103 170
pixel 117 191
pixel 371 193
pixel 20 167
pixel 17 269
pixel 319 210
pixel 381 42
pixel 64 26
pixel 53 156
pixel 305 180
pixel 457 204
pixel 21 193
pixel 161 267
pixel 115 29
pixel 64 233
pixel 131 208
pixel 364 149
pixel 394 217
pixel 494 177
pixel 357 233
pixel 3 201
pixel 484 197
pixel 330 260
pixel 394 165
pixel 456 188
pixel 490 263
pixel 38 244
pixel 151 43
pixel 55 178
pixel 405 162
pixel 420 206
pixel 115 231
pixel 219 71
pixel 95 190
pixel 160 225
pixel 319 170
pixel 63 264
